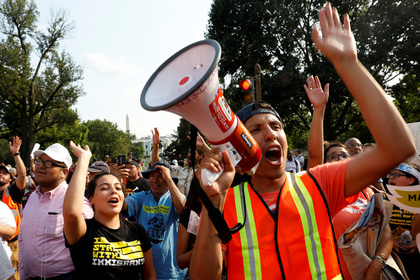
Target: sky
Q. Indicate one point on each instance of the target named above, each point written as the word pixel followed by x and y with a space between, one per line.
pixel 119 45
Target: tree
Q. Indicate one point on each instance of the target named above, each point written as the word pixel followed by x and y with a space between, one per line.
pixel 406 94
pixel 138 150
pixel 182 144
pixel 104 138
pixel 277 35
pixel 5 155
pixel 36 97
pixel 69 129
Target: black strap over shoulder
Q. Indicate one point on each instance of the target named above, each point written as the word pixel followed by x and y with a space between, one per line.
pixel 215 215
pixel 216 218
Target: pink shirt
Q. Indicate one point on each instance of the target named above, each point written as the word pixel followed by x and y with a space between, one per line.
pixel 42 251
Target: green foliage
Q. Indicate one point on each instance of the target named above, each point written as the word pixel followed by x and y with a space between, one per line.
pixel 67 129
pixel 5 155
pixel 104 138
pixel 182 144
pixel 277 35
pixel 36 98
pixel 138 150
pixel 407 96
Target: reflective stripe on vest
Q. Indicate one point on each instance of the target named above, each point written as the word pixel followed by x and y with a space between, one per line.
pixel 304 204
pixel 253 260
pixel 248 235
pixel 14 207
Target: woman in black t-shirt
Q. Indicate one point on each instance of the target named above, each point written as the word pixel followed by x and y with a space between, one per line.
pixel 107 246
pixel 188 227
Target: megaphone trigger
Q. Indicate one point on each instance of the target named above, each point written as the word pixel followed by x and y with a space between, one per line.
pixel 235 157
pixel 209 177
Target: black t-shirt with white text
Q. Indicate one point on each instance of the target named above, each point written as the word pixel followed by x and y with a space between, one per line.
pixel 104 253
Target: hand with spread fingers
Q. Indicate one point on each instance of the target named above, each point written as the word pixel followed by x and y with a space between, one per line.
pixel 337 43
pixel 15 145
pixel 316 95
pixel 79 151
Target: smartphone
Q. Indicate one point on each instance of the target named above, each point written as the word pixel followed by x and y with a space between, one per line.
pixel 121 159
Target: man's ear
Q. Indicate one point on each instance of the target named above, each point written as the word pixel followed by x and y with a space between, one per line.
pixel 411 180
pixel 65 172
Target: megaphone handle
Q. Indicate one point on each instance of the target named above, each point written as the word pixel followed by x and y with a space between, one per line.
pixel 209 177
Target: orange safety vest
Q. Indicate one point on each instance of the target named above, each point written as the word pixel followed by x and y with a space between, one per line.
pixel 15 207
pixel 295 243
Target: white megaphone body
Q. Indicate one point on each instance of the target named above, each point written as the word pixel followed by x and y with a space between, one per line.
pixel 187 84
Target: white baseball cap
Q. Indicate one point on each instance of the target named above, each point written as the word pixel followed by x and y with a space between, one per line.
pixel 57 152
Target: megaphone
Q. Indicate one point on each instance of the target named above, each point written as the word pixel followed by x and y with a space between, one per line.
pixel 187 84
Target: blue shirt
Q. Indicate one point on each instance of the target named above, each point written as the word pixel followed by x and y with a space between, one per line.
pixel 160 219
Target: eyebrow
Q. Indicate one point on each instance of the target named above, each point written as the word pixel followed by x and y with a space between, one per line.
pixel 277 122
pixel 252 125
pixel 109 184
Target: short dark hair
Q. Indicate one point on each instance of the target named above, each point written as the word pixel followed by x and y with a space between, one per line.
pixel 331 144
pixel 416 166
pixel 200 151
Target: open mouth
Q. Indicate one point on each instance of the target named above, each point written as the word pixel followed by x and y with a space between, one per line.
pixel 113 201
pixel 273 155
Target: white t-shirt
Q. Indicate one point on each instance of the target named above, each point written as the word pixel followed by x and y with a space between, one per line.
pixel 292 166
pixel 7 219
pixel 185 176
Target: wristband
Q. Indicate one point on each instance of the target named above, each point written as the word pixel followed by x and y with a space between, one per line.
pixel 381 260
pixel 17 154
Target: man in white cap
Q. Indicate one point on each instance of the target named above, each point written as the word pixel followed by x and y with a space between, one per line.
pixel 42 250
